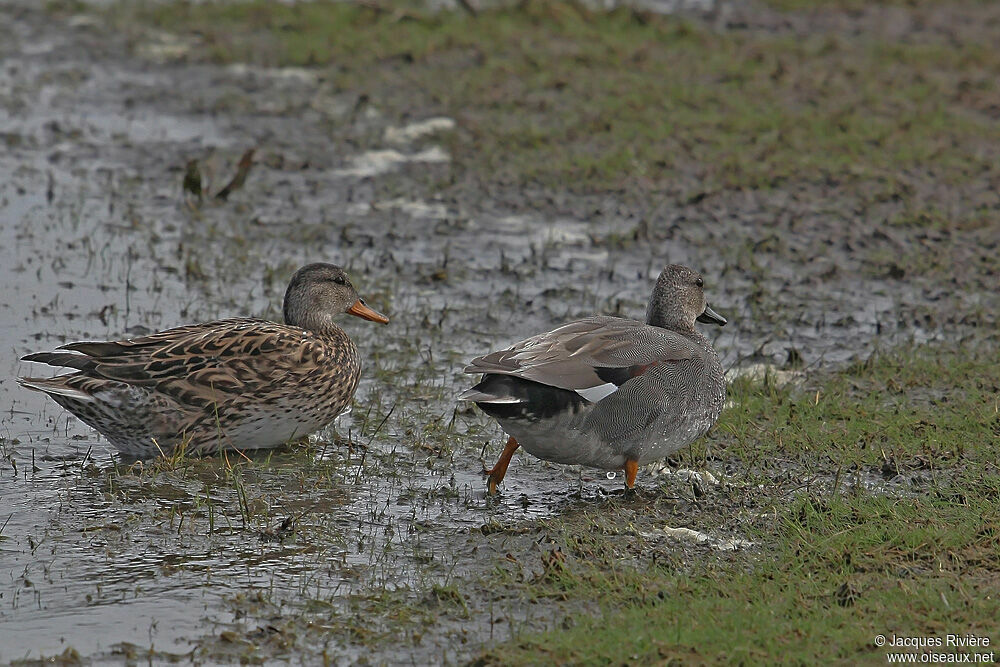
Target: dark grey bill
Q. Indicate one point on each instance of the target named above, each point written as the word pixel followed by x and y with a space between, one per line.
pixel 711 317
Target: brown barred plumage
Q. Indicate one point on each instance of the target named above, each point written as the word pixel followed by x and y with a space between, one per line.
pixel 239 383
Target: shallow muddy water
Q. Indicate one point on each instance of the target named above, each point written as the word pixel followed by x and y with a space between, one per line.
pixel 98 241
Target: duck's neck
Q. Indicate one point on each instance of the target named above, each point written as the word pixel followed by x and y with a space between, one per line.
pixel 657 318
pixel 319 323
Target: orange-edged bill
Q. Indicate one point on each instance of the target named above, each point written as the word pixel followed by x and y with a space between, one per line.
pixel 361 309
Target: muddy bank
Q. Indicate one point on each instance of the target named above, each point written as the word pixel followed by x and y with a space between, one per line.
pixel 327 548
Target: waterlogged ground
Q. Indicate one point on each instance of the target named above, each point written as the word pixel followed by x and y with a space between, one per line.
pixel 374 541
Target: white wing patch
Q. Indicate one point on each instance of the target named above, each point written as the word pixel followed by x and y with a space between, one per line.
pixel 480 397
pixel 595 394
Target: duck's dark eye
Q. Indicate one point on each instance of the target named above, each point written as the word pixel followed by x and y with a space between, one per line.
pixel 340 280
pixel 699 282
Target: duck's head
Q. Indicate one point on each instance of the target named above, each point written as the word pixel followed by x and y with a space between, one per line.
pixel 678 300
pixel 318 292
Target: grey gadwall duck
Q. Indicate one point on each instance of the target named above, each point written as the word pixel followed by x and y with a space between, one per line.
pixel 240 383
pixel 608 392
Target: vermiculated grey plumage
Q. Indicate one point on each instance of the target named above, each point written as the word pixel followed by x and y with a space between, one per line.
pixel 643 390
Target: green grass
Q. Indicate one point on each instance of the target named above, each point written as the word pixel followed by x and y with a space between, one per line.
pixel 910 410
pixel 831 570
pixel 553 94
pixel 841 572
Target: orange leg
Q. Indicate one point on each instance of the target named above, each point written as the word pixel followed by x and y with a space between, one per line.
pixel 497 472
pixel 631 469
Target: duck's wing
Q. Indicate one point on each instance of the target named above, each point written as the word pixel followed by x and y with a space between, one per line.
pixel 196 365
pixel 593 356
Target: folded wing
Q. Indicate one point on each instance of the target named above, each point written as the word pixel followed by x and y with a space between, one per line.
pixel 592 357
pixel 198 365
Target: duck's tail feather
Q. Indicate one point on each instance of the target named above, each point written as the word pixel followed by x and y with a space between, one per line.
pixel 80 362
pixel 56 387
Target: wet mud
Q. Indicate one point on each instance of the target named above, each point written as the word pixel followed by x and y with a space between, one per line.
pixel 349 547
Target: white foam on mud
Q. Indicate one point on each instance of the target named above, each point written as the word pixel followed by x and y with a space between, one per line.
pixel 758 373
pixel 409 133
pixel 415 209
pixel 675 6
pixel 373 163
pixel 294 74
pixel 698 537
pixel 684 475
pixel 422 210
pixel 163 47
pixel 558 232
pixel 565 233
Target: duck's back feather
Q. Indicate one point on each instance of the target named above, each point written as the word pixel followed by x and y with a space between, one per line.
pixel 203 379
pixel 588 353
